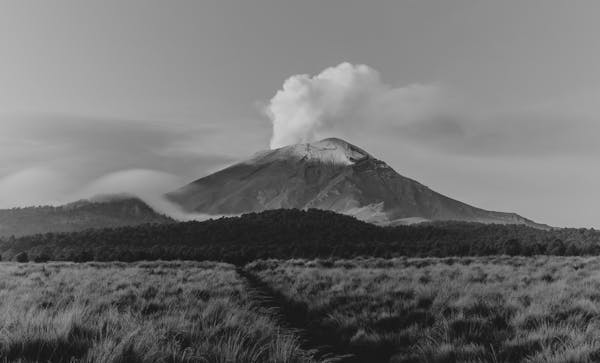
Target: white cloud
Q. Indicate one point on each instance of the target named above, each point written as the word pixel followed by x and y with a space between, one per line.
pixel 54 159
pixel 42 186
pixel 351 101
pixel 133 181
pixel 148 185
pixel 345 100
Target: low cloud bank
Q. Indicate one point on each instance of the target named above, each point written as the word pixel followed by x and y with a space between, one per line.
pixel 148 185
pixel 38 186
pixel 53 159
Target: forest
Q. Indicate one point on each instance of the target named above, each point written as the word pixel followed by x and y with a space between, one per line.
pixel 296 234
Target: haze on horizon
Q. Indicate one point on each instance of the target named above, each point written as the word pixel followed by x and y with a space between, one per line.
pixel 496 104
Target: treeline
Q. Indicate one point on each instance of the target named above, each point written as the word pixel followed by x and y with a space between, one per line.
pixel 297 234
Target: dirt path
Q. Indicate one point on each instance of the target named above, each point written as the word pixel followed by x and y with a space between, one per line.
pixel 295 316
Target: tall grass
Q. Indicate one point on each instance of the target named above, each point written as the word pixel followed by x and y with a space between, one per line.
pixel 142 312
pixel 489 309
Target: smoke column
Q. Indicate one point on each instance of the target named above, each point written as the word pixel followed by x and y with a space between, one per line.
pixel 343 100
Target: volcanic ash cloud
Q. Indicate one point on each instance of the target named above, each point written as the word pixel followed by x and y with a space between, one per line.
pixel 343 100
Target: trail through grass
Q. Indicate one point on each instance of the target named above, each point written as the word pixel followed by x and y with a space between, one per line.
pixel 484 309
pixel 294 316
pixel 491 309
pixel 140 312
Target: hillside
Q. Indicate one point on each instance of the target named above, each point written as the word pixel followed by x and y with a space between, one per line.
pixel 331 174
pixel 77 216
pixel 289 233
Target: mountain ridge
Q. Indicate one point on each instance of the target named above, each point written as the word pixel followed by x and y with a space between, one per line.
pixel 98 212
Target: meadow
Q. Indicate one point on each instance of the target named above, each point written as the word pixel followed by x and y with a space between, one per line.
pixel 136 312
pixel 480 309
pixel 468 309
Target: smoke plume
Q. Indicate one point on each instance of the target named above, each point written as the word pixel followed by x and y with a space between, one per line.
pixel 344 100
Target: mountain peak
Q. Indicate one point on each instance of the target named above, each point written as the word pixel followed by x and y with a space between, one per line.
pixel 329 174
pixel 331 151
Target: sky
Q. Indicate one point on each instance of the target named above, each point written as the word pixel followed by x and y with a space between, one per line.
pixel 496 104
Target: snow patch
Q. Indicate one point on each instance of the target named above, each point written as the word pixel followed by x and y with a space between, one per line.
pixel 329 151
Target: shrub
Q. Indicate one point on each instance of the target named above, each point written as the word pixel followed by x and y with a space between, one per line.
pixel 22 257
pixel 41 258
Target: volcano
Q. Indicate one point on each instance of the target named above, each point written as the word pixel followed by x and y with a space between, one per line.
pixel 330 174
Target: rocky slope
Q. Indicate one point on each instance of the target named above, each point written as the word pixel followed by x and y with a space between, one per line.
pixel 330 174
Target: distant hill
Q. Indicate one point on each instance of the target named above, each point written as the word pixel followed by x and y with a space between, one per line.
pixel 330 174
pixel 292 233
pixel 98 213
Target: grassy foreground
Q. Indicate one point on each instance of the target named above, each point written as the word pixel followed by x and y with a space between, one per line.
pixel 486 309
pixel 140 312
pixel 481 309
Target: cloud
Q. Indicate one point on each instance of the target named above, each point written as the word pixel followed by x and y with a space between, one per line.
pixel 148 185
pixel 33 186
pixel 352 101
pixel 345 100
pixel 41 186
pixel 133 181
pixel 55 159
pixel 87 147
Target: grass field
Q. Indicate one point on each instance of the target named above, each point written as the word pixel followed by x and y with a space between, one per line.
pixel 489 309
pixel 139 312
pixel 484 309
